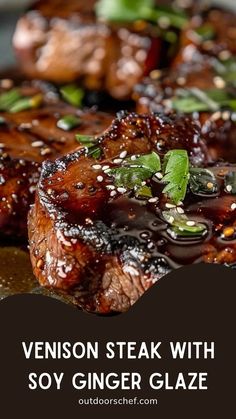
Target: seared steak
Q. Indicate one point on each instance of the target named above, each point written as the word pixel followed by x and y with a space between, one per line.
pixel 186 90
pixel 27 138
pixel 104 245
pixel 212 34
pixel 63 41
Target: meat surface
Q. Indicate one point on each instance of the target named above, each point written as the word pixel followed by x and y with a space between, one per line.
pixel 63 41
pixel 212 33
pixel 27 138
pixel 161 91
pixel 103 245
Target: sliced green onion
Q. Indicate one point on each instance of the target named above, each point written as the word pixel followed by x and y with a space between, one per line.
pixel 72 94
pixel 8 99
pixel 25 103
pixel 94 152
pixel 90 143
pixel 86 140
pixel 181 225
pixel 68 122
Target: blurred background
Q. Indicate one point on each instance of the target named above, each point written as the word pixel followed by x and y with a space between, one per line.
pixel 10 10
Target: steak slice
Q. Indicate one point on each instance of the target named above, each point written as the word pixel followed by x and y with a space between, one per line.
pixel 211 33
pixel 62 41
pixel 99 243
pixel 159 93
pixel 29 137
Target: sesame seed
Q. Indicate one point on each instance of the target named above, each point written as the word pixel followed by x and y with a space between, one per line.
pixel 133 158
pixel 107 171
pixel 113 193
pixel 110 187
pixel 215 116
pixel 123 154
pixel 180 210
pixel 46 151
pixel 32 189
pixel 190 223
pixel 121 190
pixel 143 183
pixel 219 82
pixel 6 83
pixel 159 175
pixel 224 55
pixel 152 200
pixel 180 203
pixel 229 188
pixel 233 116
pixel 99 178
pixel 96 166
pixel 171 219
pixel 105 168
pixel 164 22
pixel 226 115
pixel 37 144
pixel 155 74
pixel 181 81
pixel 210 185
pixel 117 161
pixel 169 205
pixel 233 206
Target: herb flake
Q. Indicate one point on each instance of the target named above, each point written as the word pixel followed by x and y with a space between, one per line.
pixel 176 174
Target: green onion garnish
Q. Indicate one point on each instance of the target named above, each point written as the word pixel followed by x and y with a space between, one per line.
pixel 25 103
pixel 90 143
pixel 8 99
pixel 68 122
pixel 196 100
pixel 181 225
pixel 72 94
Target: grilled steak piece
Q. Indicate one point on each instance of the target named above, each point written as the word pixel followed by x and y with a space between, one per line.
pixel 98 242
pixel 188 89
pixel 211 33
pixel 62 41
pixel 29 137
